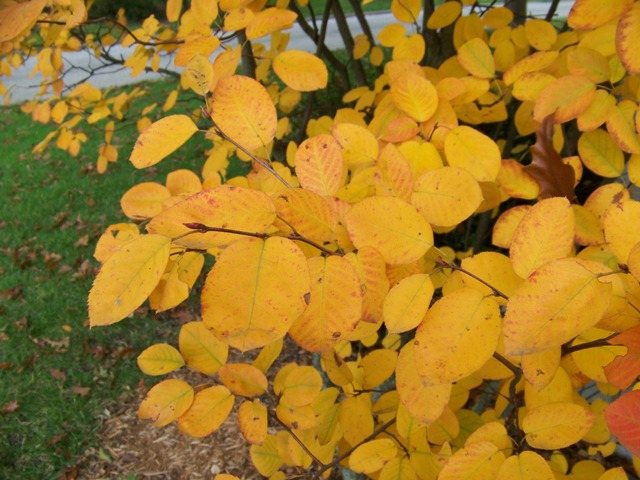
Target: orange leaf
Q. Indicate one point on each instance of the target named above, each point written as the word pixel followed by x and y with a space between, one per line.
pixel 623 419
pixel 17 17
pixel 628 38
pixel 567 97
pixel 319 165
pixel 242 379
pixel 625 369
pixel 588 14
pixel 252 420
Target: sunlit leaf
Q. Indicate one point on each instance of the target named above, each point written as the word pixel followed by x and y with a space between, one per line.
pixel 144 200
pixel 159 359
pixel 17 17
pixel 210 408
pixel 162 138
pixel 128 278
pixel 319 165
pixel 415 95
pixel 166 401
pixel 255 291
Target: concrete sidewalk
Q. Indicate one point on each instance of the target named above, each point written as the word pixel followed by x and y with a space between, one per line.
pixel 78 63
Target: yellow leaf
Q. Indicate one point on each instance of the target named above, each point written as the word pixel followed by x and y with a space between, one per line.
pixel 17 17
pixel 391 34
pixel 480 460
pixel 378 366
pixel 528 86
pixel 591 362
pixel 113 238
pixel 444 15
pixel 300 70
pixel 476 58
pixel 495 269
pixel 446 196
pixel 127 279
pixel 545 233
pixel 516 181
pixel 310 214
pixel 391 226
pixel 540 368
pixel 242 379
pixel 252 420
pixel 398 468
pixel 356 418
pixel 299 418
pixel 458 335
pixel 162 138
pixel 497 17
pixel 621 126
pixel 597 112
pixel 567 97
pixel 555 303
pixel 166 401
pixel 407 303
pixel 425 402
pixel 360 146
pixel 628 37
pixel 242 108
pixel 159 359
pixel 210 408
pixel 411 48
pixel 235 208
pixel 621 227
pixel 301 386
pixel 588 14
pixel 525 466
pixel 183 182
pixel 334 307
pixel 406 11
pixel 144 200
pixel 558 390
pixel 529 64
pixel 202 351
pixel 394 175
pixel 173 10
pixel 415 95
pixel 600 154
pixel 371 269
pixel 319 165
pixel 225 476
pixel 265 457
pixel 255 291
pixel 361 46
pixel 268 21
pixel 541 34
pixel 237 18
pixel 474 152
pixel 506 225
pixel 268 354
pixel 590 63
pixel 199 73
pixel 556 425
pixel 371 456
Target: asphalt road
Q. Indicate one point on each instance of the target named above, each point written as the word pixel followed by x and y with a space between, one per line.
pixel 26 86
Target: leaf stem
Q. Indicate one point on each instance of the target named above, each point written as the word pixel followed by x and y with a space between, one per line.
pixel 453 266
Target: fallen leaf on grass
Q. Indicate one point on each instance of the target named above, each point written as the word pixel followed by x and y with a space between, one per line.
pixel 6 365
pixel 57 374
pixel 10 406
pixel 81 391
pixel 4 337
pixel 13 293
pixel 83 241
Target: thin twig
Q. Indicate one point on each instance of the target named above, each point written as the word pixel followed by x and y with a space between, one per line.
pixel 453 266
pixel 601 342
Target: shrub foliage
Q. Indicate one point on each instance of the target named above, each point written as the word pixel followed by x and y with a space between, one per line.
pixel 458 243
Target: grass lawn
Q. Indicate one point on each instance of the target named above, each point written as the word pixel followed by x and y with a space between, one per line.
pixel 56 375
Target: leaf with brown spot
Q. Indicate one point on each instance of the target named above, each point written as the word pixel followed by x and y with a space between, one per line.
pixel 556 179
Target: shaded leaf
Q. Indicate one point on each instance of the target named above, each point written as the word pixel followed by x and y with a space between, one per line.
pixel 242 379
pixel 371 456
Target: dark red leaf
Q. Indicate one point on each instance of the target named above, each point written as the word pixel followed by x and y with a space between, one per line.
pixel 555 178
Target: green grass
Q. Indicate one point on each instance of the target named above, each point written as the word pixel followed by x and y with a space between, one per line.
pixel 54 209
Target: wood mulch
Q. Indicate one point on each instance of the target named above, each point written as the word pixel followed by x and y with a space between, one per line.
pixel 130 447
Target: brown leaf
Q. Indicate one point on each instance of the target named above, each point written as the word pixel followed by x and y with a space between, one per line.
pixel 555 178
pixel 4 337
pixel 12 293
pixel 6 365
pixel 82 241
pixel 56 439
pixel 82 391
pixel 9 407
pixel 57 374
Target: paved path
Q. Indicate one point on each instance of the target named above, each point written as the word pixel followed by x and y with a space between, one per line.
pixel 25 86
